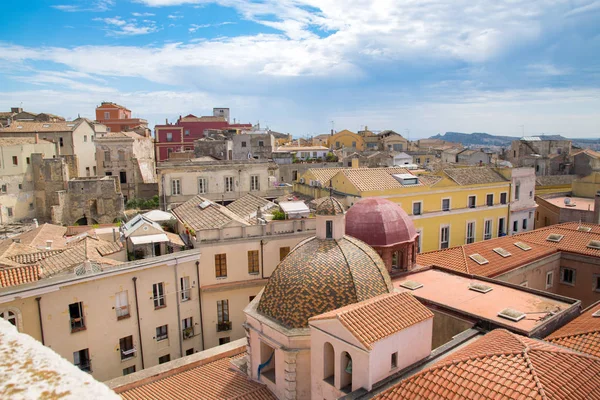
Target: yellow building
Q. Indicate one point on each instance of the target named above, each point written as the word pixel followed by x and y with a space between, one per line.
pixel 346 138
pixel 458 206
pixel 587 186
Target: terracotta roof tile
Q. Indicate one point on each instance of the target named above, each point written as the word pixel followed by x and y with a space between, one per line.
pixel 16 141
pixel 581 334
pixel 248 204
pixel 452 258
pixel 550 180
pixel 379 317
pixel 573 241
pixel 474 176
pixel 212 216
pixel 215 380
pixel 18 275
pixel 39 236
pixel 26 126
pixel 502 365
pixel 325 174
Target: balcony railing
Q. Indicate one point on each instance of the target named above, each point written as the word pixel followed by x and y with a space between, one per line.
pixel 129 353
pixel 77 324
pixel 224 326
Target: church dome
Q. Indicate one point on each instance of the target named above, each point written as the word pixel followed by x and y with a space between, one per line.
pixel 321 275
pixel 330 206
pixel 379 222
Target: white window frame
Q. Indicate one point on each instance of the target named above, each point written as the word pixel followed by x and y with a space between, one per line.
pixel 420 202
pixel 449 203
pixel 202 185
pixel 549 274
pixel 228 184
pixel 486 235
pixel 574 276
pixel 106 114
pixel 175 187
pixel 122 304
pixel 442 227
pixel 473 232
pixel 159 299
pixel 254 183
pixel 185 288
pixel 469 201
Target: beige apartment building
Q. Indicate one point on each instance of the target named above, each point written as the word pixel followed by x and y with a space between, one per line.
pixel 115 320
pixel 17 184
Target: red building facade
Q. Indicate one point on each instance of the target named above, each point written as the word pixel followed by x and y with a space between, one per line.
pixel 118 119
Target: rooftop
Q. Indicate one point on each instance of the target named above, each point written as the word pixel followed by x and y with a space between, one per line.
pixel 502 365
pixel 452 292
pixel 247 205
pixel 200 213
pixel 300 148
pixel 552 180
pixel 581 334
pixel 574 203
pixel 474 175
pixel 379 317
pixel 41 127
pixel 19 141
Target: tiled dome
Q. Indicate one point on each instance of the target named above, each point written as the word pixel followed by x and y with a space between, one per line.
pixel 330 206
pixel 322 275
pixel 379 222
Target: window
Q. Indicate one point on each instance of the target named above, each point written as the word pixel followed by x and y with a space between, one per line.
pixel 9 316
pixel 253 262
pixel 394 361
pixel 187 328
pixel 294 175
pixel 9 211
pixel 87 171
pixel 515 226
pixel 121 155
pixel 106 155
pixel 261 143
pixel 531 194
pixel 60 140
pixel 524 223
pixel 419 241
pixel 184 282
pixel 129 370
pixel 162 332
pixel 254 183
pixel 175 187
pixel 158 295
pixel 126 347
pixel 223 316
pixel 76 317
pixel 31 206
pixel 106 114
pixel 122 305
pixel 517 191
pixel 122 176
pixel 444 237
pixel 418 160
pixel 189 352
pixel 489 200
pixel 472 201
pixel 445 204
pixel 501 228
pixel 470 232
pixel 229 183
pixel 549 279
pixel 221 265
pixel 224 340
pixel 202 185
pixel 337 144
pixel 169 137
pixel 329 229
pixel 164 359
pixel 4 188
pixel 27 160
pixel 283 251
pixel 567 276
pixel 353 144
pixel 243 144
pixel 417 208
pixel 596 282
pixel 487 229
pixel 81 359
pixel 15 160
pixel 186 132
pixel 85 138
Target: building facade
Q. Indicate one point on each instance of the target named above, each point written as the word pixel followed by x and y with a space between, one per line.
pixel 117 118
pixel 256 146
pixel 347 139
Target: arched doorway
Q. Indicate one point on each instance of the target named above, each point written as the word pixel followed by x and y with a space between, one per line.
pixel 328 363
pixel 345 372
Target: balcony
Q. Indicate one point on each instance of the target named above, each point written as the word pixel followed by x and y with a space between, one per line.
pixel 188 333
pixel 77 324
pixel 128 353
pixel 224 326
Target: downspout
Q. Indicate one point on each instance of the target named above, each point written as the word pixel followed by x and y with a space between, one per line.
pixel 262 260
pixel 39 307
pixel 200 303
pixel 137 313
pixel 164 194
pixel 178 311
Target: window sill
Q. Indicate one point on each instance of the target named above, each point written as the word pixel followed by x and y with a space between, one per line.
pixel 567 283
pixel 219 278
pixel 128 358
pixel 83 328
pixel 159 307
pixel 254 273
pixel 184 300
pixel 162 339
pixel 123 317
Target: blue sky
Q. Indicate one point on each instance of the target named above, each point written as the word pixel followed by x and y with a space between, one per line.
pixel 303 66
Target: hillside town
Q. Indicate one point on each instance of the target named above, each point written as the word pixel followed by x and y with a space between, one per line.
pixel 210 258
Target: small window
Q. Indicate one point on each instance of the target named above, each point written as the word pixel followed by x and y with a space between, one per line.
pixel 444 237
pixel 472 201
pixel 531 194
pixel 162 332
pixel 20 186
pixel 283 251
pixel 76 317
pixel 515 226
pixel 445 204
pixel 129 370
pixel 243 144
pixel 596 282
pixel 253 266
pixel 15 160
pixel 189 352
pixel 417 208
pixel 202 185
pixel 3 188
pixel 169 137
pixel 164 359
pixel 175 187
pixel 478 258
pixel 106 114
pixel 60 140
pixel 224 340
pixel 126 347
pixel 186 292
pixel 329 229
pixel 254 183
pixel 503 198
pixel 555 237
pixel 122 176
pixel 229 184
pixel 394 361
pixel 525 224
pixel 221 265
pixel 28 160
pixel 187 327
pixel 261 143
pixel 470 232
pixel 81 359
pixel 487 229
pixel 549 279
pixel 85 138
pixel 567 276
pixel 223 313
pixel 122 305
pixel 186 132
pixel 517 191
pixel 31 206
pixel 87 171
pixel 158 293
pixel 489 200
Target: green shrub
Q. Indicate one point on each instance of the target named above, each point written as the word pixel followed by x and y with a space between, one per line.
pixel 278 215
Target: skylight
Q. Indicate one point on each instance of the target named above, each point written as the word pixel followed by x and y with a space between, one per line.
pixel 594 244
pixel 596 314
pixel 46 126
pixel 480 287
pixel 584 228
pixel 479 259
pixel 511 314
pixel 502 252
pixel 412 285
pixel 204 204
pixel 555 237
pixel 523 246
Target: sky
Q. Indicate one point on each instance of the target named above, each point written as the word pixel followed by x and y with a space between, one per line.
pixel 419 67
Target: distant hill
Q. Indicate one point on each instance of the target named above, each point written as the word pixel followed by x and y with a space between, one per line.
pixel 475 138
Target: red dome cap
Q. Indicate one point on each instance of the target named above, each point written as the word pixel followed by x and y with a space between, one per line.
pixel 379 222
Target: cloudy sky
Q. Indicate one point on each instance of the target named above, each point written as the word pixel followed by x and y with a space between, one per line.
pixel 419 67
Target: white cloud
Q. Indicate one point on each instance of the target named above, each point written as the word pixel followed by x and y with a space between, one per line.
pixel 194 27
pixel 547 70
pixel 119 27
pixel 592 7
pixel 94 6
pixel 145 14
pixel 174 16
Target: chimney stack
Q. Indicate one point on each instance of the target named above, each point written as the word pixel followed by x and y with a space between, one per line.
pixel 37 138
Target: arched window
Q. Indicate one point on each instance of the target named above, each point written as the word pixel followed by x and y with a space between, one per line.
pixel 106 155
pixel 12 316
pixel 328 363
pixel 345 372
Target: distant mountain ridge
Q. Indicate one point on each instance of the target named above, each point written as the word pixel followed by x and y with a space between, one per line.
pixel 475 138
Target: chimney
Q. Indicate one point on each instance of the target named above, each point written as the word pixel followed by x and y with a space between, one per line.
pixel 597 208
pixel 166 121
pixel 35 221
pixel 355 163
pixel 37 138
pixel 331 131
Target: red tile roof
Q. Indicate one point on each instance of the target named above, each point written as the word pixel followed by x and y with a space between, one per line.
pixel 379 317
pixel 502 365
pixel 18 275
pixel 581 334
pixel 215 380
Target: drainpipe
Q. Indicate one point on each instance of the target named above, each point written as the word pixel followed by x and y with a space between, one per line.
pixel 39 306
pixel 164 194
pixel 200 303
pixel 137 312
pixel 262 260
pixel 178 311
